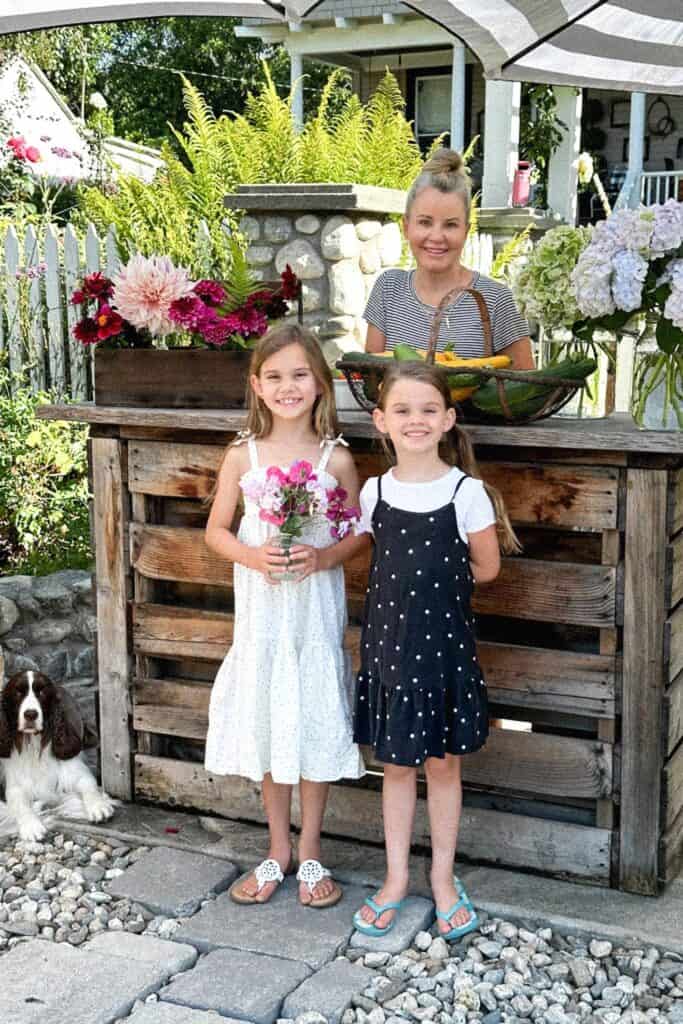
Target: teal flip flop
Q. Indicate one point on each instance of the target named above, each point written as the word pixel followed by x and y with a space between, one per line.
pixel 368 928
pixel 464 901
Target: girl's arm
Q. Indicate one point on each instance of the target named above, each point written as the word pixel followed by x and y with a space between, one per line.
pixel 218 535
pixel 484 554
pixel 310 559
pixel 375 341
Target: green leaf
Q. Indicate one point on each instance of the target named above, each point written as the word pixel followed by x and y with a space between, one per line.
pixel 669 337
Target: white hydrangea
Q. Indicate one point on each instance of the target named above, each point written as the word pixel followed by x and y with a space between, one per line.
pixel 667 233
pixel 591 283
pixel 630 270
pixel 673 308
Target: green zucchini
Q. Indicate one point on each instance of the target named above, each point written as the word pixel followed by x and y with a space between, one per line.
pixel 526 397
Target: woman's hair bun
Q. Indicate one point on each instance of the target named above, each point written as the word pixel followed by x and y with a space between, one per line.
pixel 444 161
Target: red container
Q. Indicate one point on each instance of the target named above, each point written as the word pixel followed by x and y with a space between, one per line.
pixel 521 184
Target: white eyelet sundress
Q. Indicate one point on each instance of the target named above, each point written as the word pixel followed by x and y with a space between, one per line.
pixel 281 700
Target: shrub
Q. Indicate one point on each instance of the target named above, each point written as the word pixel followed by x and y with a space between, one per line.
pixel 44 523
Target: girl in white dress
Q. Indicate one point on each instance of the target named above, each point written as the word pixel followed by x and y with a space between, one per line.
pixel 280 705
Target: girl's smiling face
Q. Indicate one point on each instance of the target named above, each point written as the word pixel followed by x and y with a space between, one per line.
pixel 436 229
pixel 415 417
pixel 286 383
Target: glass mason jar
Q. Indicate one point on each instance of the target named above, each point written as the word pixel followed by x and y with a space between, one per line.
pixel 657 384
pixel 284 541
pixel 593 400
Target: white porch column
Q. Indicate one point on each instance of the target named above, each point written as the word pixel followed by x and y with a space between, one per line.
pixel 458 97
pixel 630 191
pixel 296 70
pixel 501 142
pixel 562 174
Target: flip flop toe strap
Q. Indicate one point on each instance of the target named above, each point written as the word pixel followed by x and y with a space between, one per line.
pixel 268 871
pixel 446 915
pixel 311 872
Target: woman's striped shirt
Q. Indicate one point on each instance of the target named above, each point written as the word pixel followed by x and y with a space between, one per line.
pixel 393 307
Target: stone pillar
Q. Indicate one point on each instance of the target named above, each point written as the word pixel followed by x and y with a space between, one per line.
pixel 501 142
pixel 562 173
pixel 336 238
pixel 458 97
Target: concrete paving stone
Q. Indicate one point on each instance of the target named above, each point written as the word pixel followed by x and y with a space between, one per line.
pixel 56 983
pixel 172 1013
pixel 416 915
pixel 172 957
pixel 247 986
pixel 281 927
pixel 329 991
pixel 173 882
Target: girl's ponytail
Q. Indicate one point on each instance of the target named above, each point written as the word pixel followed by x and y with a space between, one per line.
pixel 463 457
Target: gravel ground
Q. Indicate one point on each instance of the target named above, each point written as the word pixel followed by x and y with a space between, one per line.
pixel 502 973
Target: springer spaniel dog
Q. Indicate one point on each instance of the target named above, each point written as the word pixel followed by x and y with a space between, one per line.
pixel 41 738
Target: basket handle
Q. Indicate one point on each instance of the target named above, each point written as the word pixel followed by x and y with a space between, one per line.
pixel 438 317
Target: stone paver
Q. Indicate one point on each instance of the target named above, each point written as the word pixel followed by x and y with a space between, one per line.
pixel 169 957
pixel 329 991
pixel 281 927
pixel 237 984
pixel 173 882
pixel 47 982
pixel 171 1013
pixel 416 915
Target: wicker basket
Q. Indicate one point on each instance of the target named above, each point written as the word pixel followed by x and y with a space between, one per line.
pixel 365 377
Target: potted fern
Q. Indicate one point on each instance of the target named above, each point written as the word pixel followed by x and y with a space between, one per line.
pixel 163 340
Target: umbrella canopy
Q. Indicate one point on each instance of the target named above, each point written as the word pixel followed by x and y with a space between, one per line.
pixel 631 45
pixel 24 15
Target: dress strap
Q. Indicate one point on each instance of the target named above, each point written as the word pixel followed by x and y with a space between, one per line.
pixel 253 452
pixel 379 488
pixel 457 486
pixel 328 444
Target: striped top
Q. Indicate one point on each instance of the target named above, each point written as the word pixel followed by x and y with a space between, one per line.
pixel 394 308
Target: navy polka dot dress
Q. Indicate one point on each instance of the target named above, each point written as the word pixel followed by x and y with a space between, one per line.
pixel 420 692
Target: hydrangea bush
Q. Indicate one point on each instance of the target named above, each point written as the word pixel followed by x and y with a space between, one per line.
pixel 543 287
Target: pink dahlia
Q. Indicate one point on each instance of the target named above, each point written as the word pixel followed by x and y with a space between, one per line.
pixel 211 292
pixel 189 312
pixel 144 290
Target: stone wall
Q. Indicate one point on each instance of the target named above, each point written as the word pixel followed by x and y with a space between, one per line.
pixel 48 623
pixel 336 238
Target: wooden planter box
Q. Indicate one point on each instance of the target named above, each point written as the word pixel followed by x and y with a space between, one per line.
pixel 182 378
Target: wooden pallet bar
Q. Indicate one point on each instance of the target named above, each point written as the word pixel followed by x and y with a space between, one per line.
pixel 581 638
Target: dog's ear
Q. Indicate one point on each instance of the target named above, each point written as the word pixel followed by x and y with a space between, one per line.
pixel 7 729
pixel 66 726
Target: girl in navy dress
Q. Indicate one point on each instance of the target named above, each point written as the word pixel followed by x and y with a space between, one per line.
pixel 420 696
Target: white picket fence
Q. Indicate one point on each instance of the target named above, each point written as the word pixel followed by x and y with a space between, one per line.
pixel 37 277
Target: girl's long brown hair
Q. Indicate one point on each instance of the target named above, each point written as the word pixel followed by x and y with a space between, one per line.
pixel 455 447
pixel 259 421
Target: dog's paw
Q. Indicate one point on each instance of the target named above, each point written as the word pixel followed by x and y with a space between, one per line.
pixel 32 830
pixel 98 805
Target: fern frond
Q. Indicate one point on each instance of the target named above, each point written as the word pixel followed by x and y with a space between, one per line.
pixel 510 253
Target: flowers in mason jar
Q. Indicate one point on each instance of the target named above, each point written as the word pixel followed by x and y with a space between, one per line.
pixel 543 287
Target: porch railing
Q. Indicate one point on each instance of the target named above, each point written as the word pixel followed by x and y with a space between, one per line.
pixel 658 186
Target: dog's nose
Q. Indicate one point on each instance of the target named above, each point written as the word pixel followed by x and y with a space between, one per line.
pixel 30 715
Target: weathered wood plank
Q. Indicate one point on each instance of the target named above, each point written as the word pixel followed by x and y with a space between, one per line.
pixel 573 498
pixel 110 511
pixel 563 681
pixel 673 715
pixel 672 788
pixel 676 572
pixel 676 518
pixel 616 433
pixel 671 851
pixel 561 766
pixel 643 684
pixel 172 693
pixel 673 643
pixel 582 595
pixel 553 847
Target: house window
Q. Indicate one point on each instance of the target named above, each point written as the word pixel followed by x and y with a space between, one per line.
pixel 432 106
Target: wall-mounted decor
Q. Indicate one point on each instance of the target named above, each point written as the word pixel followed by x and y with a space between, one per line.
pixel 659 119
pixel 620 113
pixel 646 149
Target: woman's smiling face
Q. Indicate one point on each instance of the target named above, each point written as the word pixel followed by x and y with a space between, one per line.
pixel 436 229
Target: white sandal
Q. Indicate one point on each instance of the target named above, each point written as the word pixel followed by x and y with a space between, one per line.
pixel 311 872
pixel 267 871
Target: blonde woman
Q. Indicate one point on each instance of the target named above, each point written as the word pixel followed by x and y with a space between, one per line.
pixel 402 303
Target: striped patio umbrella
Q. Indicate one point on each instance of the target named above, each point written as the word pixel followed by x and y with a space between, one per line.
pixel 631 45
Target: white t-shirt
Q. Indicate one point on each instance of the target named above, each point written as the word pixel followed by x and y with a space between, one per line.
pixel 473 508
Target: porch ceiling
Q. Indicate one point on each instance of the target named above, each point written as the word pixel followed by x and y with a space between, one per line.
pixel 633 45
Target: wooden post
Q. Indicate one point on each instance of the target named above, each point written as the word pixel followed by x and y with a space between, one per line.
pixel 643 683
pixel 111 517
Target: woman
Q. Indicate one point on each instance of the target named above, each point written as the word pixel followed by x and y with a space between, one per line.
pixel 402 303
